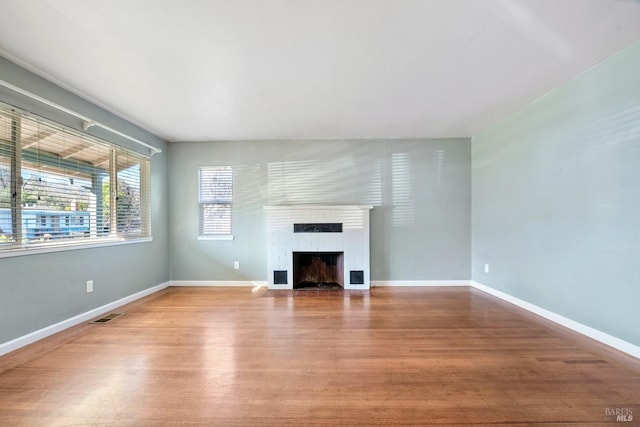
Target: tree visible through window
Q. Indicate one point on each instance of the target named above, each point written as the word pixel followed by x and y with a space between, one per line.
pixel 215 193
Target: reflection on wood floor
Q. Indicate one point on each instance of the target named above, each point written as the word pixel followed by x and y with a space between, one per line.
pixel 392 356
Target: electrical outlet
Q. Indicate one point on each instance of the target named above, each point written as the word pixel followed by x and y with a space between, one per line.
pixel 236 265
pixel 89 286
pixel 486 268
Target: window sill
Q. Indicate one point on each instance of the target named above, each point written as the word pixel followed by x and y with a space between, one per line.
pixel 35 248
pixel 220 237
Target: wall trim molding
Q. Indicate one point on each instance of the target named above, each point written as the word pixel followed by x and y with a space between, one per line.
pixel 381 283
pixel 423 283
pixel 32 337
pixel 218 283
pixel 611 341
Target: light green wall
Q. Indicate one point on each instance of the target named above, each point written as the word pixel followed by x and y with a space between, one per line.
pixel 420 190
pixel 556 200
pixel 40 290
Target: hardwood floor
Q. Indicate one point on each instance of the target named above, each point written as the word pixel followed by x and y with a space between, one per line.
pixel 394 356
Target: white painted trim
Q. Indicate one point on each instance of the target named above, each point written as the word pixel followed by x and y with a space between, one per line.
pixel 73 321
pixel 428 283
pixel 588 331
pixel 315 207
pixel 68 246
pixel 216 237
pixel 217 283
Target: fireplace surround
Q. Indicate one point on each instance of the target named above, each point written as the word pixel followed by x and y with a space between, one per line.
pixel 330 242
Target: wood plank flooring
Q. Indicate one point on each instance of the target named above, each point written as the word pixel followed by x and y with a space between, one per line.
pixel 394 356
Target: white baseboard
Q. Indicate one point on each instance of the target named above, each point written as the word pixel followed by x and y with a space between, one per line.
pixel 588 331
pixel 214 283
pixel 32 337
pixel 254 283
pixel 381 283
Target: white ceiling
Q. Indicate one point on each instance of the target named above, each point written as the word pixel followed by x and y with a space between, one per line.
pixel 196 70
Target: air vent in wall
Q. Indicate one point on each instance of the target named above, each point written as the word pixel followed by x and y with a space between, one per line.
pixel 356 277
pixel 280 277
pixel 324 227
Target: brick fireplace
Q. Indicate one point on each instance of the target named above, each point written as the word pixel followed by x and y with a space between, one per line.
pixel 309 245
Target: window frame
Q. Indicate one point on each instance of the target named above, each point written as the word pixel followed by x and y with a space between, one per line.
pixel 20 244
pixel 203 202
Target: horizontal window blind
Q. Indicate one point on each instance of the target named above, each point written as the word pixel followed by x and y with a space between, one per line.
pixel 215 194
pixel 7 153
pixel 56 185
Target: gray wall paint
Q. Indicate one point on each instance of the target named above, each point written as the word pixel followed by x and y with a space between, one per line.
pixel 420 225
pixel 556 200
pixel 39 290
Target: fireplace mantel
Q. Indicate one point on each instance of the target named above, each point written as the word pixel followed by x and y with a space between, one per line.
pixel 315 207
pixel 332 228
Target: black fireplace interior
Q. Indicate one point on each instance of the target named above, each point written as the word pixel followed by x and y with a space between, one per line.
pixel 318 270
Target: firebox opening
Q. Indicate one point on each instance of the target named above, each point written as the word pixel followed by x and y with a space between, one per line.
pixel 318 270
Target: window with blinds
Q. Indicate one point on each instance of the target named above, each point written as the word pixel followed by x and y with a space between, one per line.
pixel 215 194
pixel 60 187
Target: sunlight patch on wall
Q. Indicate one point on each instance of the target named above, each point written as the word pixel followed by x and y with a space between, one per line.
pixel 402 192
pixel 325 181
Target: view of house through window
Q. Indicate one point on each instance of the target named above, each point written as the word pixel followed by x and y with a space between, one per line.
pixel 59 186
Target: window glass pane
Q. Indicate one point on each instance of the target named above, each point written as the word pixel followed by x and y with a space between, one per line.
pixel 55 206
pixel 8 126
pixel 58 199
pixel 103 214
pixel 61 180
pixel 215 219
pixel 128 194
pixel 215 193
pixel 6 149
pixel 216 185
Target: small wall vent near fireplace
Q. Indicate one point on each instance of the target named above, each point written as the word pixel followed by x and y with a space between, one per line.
pixel 280 277
pixel 356 277
pixel 317 227
pixel 318 270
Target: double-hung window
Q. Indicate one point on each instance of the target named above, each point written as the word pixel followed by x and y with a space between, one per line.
pixel 215 195
pixel 61 188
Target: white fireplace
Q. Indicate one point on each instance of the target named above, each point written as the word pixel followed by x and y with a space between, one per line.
pixel 337 234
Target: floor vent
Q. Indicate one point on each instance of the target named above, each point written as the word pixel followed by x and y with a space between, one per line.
pixel 108 318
